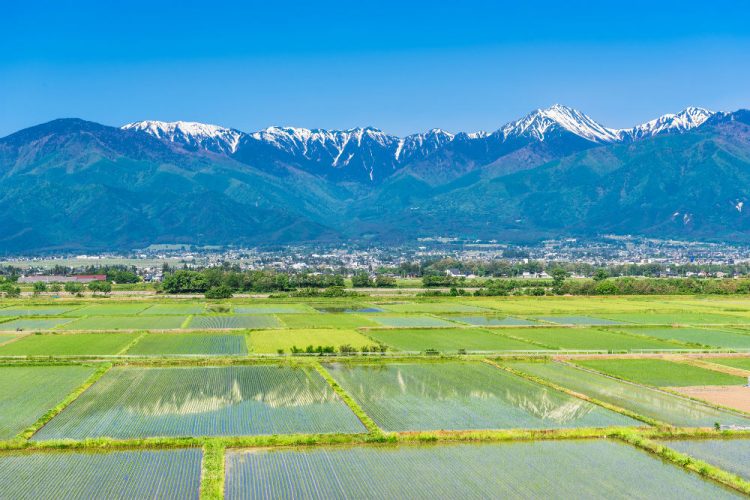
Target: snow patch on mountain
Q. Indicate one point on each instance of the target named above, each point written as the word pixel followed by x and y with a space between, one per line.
pixel 685 120
pixel 193 134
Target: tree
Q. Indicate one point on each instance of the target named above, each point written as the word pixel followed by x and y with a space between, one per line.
pixel 185 282
pixel 55 287
pixel 601 274
pixel 10 290
pixel 385 281
pixel 558 278
pixel 73 288
pixel 100 286
pixel 361 280
pixel 39 287
pixel 219 292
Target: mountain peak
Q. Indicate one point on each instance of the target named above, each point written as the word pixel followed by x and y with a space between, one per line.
pixel 540 122
pixel 687 119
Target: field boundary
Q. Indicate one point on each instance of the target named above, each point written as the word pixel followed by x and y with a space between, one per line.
pixel 363 417
pixel 685 461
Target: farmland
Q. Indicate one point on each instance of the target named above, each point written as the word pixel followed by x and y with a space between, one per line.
pixel 121 474
pixel 730 455
pixel 655 404
pixel 242 400
pixel 52 344
pixel 27 392
pixel 529 470
pixel 429 396
pixel 661 373
pixel 189 343
pixel 248 397
pixel 270 341
pixel 448 340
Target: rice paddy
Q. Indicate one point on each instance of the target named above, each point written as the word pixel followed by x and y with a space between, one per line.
pixel 491 320
pixel 126 323
pixel 216 322
pixel 270 341
pixel 731 455
pixel 557 469
pixel 251 387
pixel 741 363
pixel 172 474
pixel 586 339
pixel 661 373
pixel 26 393
pixel 434 396
pixel 174 308
pixel 320 320
pixel 203 401
pixel 651 403
pixel 189 343
pixel 34 311
pixel 54 344
pixel 449 340
pixel 412 321
pixel 577 320
pixel 696 336
pixel 34 324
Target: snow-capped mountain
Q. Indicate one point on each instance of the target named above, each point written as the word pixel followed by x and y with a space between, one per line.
pixel 192 135
pixel 540 123
pixel 363 154
pixel 685 120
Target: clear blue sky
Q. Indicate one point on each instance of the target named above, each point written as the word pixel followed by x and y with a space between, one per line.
pixel 397 65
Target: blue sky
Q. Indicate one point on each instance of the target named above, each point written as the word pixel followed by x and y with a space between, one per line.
pixel 400 66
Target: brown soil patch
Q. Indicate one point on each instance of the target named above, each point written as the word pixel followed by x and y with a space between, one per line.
pixel 730 396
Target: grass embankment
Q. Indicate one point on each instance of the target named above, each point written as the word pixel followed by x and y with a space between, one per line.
pixel 369 423
pixel 685 461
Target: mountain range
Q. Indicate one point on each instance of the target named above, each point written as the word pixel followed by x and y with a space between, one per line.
pixel 71 185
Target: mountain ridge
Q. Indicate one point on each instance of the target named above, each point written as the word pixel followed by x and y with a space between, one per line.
pixel 74 185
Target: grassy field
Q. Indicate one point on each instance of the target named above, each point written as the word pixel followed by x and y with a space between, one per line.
pixel 226 321
pixel 586 338
pixel 55 344
pixel 26 393
pixel 561 469
pixel 433 396
pixel 126 323
pixel 730 455
pixel 448 340
pixel 661 373
pixel 172 474
pixel 227 401
pixel 270 341
pixel 189 343
pixel 642 400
